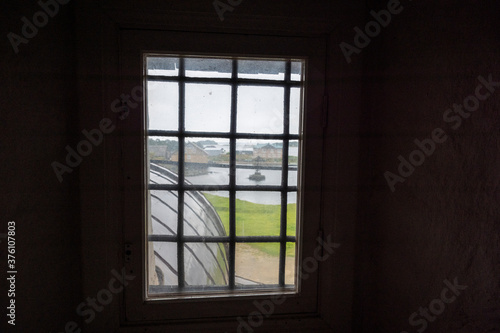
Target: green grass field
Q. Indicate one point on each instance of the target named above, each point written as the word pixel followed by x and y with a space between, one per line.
pixel 257 220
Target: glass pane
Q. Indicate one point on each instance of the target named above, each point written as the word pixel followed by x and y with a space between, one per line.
pixel 201 217
pixel 163 106
pixel 295 107
pixel 291 230
pixel 261 69
pixel 258 218
pixel 220 201
pixel 258 162
pixel 296 74
pixel 207 161
pixel 163 210
pixel 205 67
pixel 208 107
pixel 195 160
pixel 164 66
pixel 260 109
pixel 162 260
pixel 291 215
pixel 257 263
pixel 293 160
pixel 163 227
pixel 206 264
pixel 290 264
pixel 162 152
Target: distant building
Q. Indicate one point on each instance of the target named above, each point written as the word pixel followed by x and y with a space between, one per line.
pixel 244 150
pixel 213 150
pixel 267 151
pixel 193 154
pixel 159 152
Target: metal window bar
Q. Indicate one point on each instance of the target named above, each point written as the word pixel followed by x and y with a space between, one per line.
pixel 221 239
pixel 189 187
pixel 220 165
pixel 233 135
pixel 284 176
pixel 180 172
pixel 232 175
pixel 239 81
pixel 223 135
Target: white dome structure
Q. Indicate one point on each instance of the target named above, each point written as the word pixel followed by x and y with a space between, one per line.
pixel 205 264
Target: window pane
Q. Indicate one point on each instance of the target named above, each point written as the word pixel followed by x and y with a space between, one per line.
pixel 260 109
pixel 259 162
pixel 163 106
pixel 296 74
pixel 291 215
pixel 208 107
pixel 290 265
pixel 291 230
pixel 295 107
pixel 206 264
pixel 261 69
pixel 162 261
pixel 257 218
pixel 220 201
pixel 201 217
pixel 204 67
pixel 163 227
pixel 163 208
pixel 207 161
pixel 195 160
pixel 293 160
pixel 257 263
pixel 162 152
pixel 164 66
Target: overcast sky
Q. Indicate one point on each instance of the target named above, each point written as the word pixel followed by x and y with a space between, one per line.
pixel 208 106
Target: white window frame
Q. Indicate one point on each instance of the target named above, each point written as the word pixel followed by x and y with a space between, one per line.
pixel 285 137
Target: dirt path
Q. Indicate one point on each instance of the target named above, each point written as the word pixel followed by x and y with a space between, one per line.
pixel 259 266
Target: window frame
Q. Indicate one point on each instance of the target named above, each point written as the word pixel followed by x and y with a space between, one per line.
pixel 133 44
pixel 232 135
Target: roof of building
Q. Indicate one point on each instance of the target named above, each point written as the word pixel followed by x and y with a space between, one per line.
pixel 269 146
pixel 195 146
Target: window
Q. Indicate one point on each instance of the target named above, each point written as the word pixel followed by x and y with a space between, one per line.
pixel 223 142
pixel 220 112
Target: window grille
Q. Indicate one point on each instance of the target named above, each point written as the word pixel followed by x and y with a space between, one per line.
pixel 189 248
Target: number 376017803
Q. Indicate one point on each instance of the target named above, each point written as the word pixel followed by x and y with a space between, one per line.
pixel 11 242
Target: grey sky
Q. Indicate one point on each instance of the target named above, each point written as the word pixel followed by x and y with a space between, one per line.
pixel 208 106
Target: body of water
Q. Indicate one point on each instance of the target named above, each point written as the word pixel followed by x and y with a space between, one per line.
pixel 220 176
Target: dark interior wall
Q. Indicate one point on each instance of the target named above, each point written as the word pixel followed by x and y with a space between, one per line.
pixel 38 112
pixel 442 221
